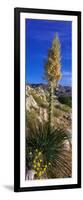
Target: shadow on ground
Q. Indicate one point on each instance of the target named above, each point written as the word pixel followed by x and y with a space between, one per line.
pixel 9 187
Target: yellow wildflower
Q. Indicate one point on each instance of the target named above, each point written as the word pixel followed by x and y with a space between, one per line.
pixel 40 173
pixel 37 168
pixel 38 164
pixel 34 166
pixel 44 169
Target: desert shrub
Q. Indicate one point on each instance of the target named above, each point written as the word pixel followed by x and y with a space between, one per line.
pixel 65 100
pixel 58 106
pixel 63 107
pixel 57 112
pixel 31 118
pixel 46 152
pixel 40 101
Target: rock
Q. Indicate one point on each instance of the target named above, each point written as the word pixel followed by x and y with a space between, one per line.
pixel 36 99
pixel 27 90
pixel 30 102
pixel 43 113
pixel 30 174
pixel 67 145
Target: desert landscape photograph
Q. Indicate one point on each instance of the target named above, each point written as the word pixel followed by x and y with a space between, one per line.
pixel 48 99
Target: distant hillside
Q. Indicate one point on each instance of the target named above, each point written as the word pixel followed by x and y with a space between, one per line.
pixel 64 90
pixel 61 90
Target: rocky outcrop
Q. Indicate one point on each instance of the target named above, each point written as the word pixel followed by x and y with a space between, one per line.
pixel 37 104
pixel 31 103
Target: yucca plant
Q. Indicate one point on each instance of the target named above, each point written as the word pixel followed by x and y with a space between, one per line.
pixel 47 153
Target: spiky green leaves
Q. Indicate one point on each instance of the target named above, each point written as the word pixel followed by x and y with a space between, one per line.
pixel 52 146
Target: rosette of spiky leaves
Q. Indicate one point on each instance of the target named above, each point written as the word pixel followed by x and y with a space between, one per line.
pixel 55 147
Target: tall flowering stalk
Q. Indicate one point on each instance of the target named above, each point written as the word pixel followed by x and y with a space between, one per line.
pixel 53 72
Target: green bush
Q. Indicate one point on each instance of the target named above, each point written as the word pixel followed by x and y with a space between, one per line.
pixel 65 100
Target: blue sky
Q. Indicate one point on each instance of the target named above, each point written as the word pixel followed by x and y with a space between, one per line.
pixel 39 36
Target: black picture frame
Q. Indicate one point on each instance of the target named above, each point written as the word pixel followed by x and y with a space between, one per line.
pixel 17 12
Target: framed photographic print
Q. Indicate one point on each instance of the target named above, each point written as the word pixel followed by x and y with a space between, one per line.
pixel 47 99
